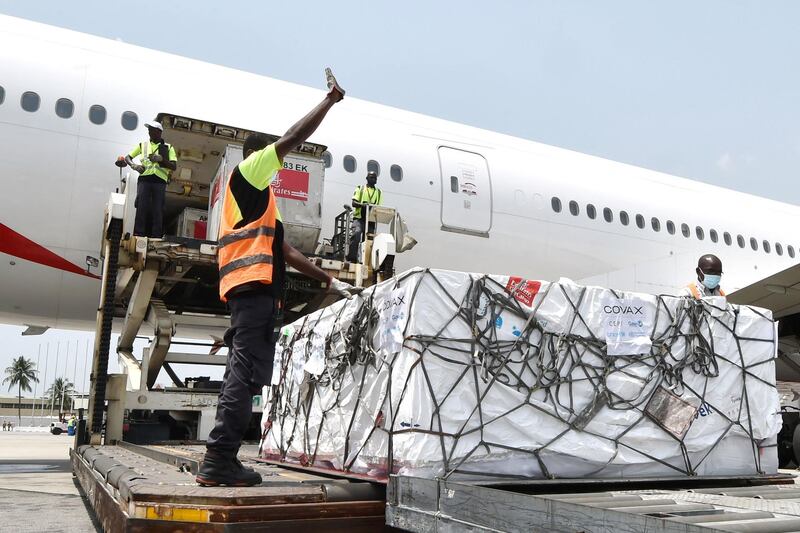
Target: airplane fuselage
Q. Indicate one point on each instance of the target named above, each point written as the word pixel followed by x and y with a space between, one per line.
pixel 474 199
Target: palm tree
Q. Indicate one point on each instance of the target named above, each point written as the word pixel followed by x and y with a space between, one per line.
pixel 61 386
pixel 21 373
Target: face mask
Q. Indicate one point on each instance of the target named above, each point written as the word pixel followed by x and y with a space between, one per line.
pixel 711 281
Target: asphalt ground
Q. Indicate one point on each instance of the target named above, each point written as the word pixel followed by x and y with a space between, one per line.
pixel 37 490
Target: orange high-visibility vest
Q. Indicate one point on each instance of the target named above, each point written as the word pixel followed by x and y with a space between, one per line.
pixel 693 289
pixel 245 254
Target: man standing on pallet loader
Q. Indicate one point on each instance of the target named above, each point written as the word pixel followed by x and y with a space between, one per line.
pixel 158 159
pixel 709 274
pixel 364 195
pixel 252 258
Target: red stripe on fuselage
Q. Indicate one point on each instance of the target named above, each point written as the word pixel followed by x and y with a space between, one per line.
pixel 12 243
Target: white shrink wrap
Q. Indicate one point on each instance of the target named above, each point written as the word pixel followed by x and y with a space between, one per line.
pixel 448 374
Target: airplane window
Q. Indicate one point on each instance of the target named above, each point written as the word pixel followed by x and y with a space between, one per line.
pixel 623 218
pixel 591 212
pixel 453 184
pixel 685 230
pixel 640 221
pixel 327 159
pixel 30 101
pixel 766 245
pixel 790 250
pixel 97 114
pixel 656 224
pixel 574 208
pixel 396 172
pixel 753 243
pixel 740 241
pixel 727 238
pixel 2 94
pixel 130 120
pixel 373 166
pixel 555 202
pixel 608 214
pixel 349 163
pixel 778 248
pixel 64 107
pixel 712 234
pixel 670 227
pixel 699 232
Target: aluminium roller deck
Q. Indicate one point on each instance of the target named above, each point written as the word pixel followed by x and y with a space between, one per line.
pixel 152 489
pixel 762 504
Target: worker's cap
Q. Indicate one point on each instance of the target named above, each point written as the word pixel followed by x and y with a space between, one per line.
pixel 372 174
pixel 154 124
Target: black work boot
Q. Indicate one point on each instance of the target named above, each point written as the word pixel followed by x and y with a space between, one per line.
pixel 228 471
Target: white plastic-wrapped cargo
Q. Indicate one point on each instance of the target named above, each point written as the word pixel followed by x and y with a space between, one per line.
pixel 438 373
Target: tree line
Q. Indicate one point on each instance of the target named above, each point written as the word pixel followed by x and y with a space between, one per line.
pixel 22 373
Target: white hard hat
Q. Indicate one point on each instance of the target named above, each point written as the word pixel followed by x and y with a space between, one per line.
pixel 154 124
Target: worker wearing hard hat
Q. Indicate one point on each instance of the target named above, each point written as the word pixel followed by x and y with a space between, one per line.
pixel 364 195
pixel 158 159
pixel 709 274
pixel 252 257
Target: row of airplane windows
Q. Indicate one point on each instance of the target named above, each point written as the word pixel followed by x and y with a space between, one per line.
pixel 351 165
pixel 655 224
pixel 65 108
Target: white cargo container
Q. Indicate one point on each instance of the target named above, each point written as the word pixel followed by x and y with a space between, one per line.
pixel 192 223
pixel 298 190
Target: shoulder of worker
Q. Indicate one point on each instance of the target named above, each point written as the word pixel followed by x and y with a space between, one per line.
pixel 687 289
pixel 260 167
pixel 173 155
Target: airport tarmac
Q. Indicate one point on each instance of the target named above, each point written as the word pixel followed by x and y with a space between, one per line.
pixel 37 491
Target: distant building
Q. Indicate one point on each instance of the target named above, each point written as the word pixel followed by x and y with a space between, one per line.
pixel 8 406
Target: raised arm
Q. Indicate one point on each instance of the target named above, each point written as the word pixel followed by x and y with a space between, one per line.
pixel 302 130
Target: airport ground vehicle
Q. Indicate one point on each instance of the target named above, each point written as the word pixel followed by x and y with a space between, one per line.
pixel 57 428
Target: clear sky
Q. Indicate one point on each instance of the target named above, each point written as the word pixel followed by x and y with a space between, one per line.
pixel 705 90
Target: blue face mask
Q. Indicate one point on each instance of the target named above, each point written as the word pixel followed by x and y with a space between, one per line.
pixel 711 281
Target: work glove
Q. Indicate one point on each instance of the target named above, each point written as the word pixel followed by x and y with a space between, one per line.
pixel 156 158
pixel 138 168
pixel 335 90
pixel 343 289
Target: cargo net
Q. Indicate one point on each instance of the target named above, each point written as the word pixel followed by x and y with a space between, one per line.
pixel 441 374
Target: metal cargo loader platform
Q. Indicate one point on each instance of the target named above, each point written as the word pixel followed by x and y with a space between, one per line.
pixel 761 504
pixel 152 488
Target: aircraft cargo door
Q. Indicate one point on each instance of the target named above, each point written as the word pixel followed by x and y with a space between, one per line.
pixel 466 192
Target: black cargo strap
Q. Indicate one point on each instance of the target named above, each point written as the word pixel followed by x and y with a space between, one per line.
pixel 244 262
pixel 250 233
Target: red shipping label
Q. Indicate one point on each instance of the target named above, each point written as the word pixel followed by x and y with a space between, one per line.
pixel 200 229
pixel 524 290
pixel 216 191
pixel 292 184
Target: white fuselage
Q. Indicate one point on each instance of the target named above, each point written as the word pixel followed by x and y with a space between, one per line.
pixel 57 174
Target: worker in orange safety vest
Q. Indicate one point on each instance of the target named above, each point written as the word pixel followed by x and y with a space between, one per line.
pixel 252 257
